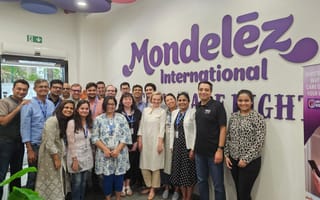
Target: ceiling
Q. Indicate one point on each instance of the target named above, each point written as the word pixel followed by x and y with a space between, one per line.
pixel 69 6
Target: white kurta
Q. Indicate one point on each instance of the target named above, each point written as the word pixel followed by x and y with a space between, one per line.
pixel 152 127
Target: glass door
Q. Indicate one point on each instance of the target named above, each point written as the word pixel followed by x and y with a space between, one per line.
pixel 29 68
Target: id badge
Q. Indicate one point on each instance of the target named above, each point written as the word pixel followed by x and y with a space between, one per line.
pixel 177 134
pixel 131 131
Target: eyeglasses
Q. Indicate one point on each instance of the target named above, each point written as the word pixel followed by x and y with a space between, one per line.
pixel 57 87
pixel 66 88
pixel 42 86
pixel 75 90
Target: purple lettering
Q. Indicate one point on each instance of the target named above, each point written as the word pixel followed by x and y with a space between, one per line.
pixel 261 105
pixel 278 28
pixel 245 35
pixel 174 47
pixel 281 106
pixel 210 41
pixel 155 56
pixel 226 36
pixel 193 44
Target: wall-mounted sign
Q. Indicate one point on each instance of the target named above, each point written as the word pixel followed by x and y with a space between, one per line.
pixel 34 39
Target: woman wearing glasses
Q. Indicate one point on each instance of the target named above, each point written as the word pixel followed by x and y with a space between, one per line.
pixel 111 134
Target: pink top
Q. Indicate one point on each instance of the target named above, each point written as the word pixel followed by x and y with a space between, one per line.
pixel 96 107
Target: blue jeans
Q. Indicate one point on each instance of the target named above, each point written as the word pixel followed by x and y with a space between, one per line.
pixel 31 181
pixel 11 153
pixel 78 185
pixel 204 166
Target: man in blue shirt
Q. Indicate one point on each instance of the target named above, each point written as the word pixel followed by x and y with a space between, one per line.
pixel 11 147
pixel 137 95
pixel 33 117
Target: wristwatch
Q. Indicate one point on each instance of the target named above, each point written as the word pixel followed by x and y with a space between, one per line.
pixel 221 147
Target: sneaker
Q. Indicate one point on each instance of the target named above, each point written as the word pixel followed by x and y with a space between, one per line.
pixel 165 194
pixel 123 193
pixel 129 191
pixel 175 196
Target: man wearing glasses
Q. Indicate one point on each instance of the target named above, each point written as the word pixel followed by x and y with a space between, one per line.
pixel 33 117
pixel 111 90
pixel 66 91
pixel 75 93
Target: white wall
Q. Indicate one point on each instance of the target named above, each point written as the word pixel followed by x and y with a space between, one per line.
pixel 59 33
pixel 282 173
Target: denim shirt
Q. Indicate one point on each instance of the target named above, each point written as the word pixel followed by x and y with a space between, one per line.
pixel 33 117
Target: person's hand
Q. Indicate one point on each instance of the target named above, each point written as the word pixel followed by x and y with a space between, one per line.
pixel 57 163
pixel 75 165
pixel 134 146
pixel 242 163
pixel 25 102
pixel 191 155
pixel 228 162
pixel 32 156
pixel 160 147
pixel 107 153
pixel 218 156
pixel 139 143
pixel 316 180
pixel 115 153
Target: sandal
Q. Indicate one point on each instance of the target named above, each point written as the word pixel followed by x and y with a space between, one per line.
pixel 151 195
pixel 129 191
pixel 123 193
pixel 145 191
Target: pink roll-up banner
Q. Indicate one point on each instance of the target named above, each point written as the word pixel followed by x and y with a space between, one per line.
pixel 311 115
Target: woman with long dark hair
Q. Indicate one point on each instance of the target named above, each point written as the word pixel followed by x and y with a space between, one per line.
pixel 244 143
pixel 52 182
pixel 79 156
pixel 182 139
pixel 128 108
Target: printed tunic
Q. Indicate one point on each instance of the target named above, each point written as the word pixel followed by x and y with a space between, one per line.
pixel 111 132
pixel 79 146
pixel 51 183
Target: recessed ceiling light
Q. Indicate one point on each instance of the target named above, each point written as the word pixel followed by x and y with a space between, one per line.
pixel 82 4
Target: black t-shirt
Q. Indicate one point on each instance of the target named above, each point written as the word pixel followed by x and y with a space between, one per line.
pixel 209 119
pixel 133 122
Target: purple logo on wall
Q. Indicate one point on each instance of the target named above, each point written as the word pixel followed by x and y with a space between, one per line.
pixel 244 42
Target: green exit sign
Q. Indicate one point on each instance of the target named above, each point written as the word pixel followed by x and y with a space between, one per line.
pixel 34 39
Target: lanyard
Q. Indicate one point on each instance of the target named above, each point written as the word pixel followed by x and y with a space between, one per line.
pixel 85 131
pixel 179 118
pixel 130 118
pixel 57 104
pixel 111 126
pixel 43 108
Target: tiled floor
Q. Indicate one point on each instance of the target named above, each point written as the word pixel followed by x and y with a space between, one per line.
pixel 136 196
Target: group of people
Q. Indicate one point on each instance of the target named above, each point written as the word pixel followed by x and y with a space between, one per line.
pixel 158 141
